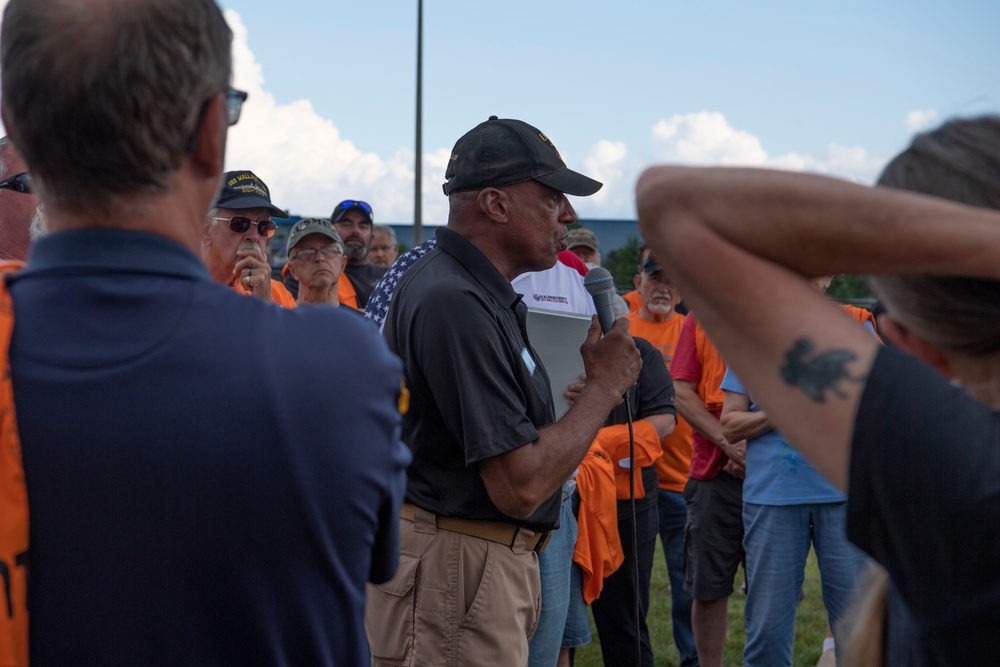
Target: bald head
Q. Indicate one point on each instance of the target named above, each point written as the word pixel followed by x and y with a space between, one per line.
pixel 124 81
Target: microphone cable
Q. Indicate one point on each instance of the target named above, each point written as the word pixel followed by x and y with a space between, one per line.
pixel 635 531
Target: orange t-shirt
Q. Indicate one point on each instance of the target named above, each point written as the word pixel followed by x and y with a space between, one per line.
pixel 13 505
pixel 279 294
pixel 634 300
pixel 598 549
pixel 862 315
pixel 615 441
pixel 673 465
pixel 345 292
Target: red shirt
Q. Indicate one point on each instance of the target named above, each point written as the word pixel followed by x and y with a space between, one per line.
pixel 696 360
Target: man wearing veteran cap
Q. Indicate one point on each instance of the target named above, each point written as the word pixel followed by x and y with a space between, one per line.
pixel 489 458
pixel 316 260
pixel 236 231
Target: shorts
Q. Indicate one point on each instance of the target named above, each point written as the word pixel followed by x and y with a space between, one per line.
pixel 713 537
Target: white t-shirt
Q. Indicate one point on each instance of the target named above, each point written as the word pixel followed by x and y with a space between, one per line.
pixel 559 288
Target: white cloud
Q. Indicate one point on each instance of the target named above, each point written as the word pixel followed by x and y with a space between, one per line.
pixel 854 163
pixel 920 119
pixel 605 162
pixel 705 137
pixel 305 161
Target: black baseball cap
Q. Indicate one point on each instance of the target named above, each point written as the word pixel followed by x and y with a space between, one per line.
pixel 651 265
pixel 504 151
pixel 244 189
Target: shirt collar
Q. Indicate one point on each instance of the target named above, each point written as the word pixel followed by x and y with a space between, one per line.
pixel 114 250
pixel 476 263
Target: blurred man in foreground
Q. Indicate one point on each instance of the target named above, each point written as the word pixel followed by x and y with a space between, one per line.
pixel 179 515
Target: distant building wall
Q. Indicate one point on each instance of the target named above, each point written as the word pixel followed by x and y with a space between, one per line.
pixel 611 235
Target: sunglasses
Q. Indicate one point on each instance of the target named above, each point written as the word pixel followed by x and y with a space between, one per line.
pixel 329 252
pixel 241 224
pixel 19 183
pixel 353 203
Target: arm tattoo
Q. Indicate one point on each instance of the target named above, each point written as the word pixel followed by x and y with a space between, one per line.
pixel 823 372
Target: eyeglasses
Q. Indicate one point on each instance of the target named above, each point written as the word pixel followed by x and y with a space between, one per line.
pixel 19 183
pixel 241 224
pixel 329 252
pixel 234 105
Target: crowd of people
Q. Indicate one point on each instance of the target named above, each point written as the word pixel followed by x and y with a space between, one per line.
pixel 243 470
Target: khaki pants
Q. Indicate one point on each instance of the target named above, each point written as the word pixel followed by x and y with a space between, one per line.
pixel 455 600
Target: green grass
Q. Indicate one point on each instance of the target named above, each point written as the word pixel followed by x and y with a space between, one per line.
pixel 810 623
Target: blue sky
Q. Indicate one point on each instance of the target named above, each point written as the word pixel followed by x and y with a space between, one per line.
pixel 833 87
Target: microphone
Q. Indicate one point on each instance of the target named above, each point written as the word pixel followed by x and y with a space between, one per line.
pixel 601 286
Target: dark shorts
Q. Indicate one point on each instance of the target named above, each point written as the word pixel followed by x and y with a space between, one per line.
pixel 713 539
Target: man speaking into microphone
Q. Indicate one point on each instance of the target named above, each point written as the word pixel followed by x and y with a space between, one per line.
pixel 489 458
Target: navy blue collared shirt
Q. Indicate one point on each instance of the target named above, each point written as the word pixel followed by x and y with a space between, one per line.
pixel 211 479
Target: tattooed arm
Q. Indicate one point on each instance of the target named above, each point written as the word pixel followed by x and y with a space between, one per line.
pixel 740 243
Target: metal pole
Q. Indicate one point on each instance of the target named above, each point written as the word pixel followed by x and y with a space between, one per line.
pixel 418 226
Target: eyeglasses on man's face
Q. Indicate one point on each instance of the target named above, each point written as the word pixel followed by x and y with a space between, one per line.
pixel 240 224
pixel 309 254
pixel 234 105
pixel 18 183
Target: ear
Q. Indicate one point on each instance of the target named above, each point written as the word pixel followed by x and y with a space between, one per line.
pixel 906 340
pixel 209 152
pixel 636 279
pixel 291 270
pixel 494 204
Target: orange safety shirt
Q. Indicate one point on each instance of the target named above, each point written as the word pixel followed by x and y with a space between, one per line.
pixel 673 465
pixel 598 549
pixel 13 505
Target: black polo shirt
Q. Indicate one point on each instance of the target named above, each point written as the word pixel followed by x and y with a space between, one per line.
pixel 477 389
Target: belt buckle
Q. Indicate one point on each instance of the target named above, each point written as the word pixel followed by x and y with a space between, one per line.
pixel 543 542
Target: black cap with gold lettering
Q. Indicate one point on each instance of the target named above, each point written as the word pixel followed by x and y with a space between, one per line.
pixel 504 151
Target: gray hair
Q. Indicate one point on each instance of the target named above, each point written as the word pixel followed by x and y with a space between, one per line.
pixel 104 96
pixel 386 229
pixel 959 161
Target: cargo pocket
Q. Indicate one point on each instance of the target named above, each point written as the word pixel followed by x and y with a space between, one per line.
pixel 389 615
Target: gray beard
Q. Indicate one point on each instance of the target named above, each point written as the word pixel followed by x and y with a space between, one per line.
pixel 356 252
pixel 39 226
